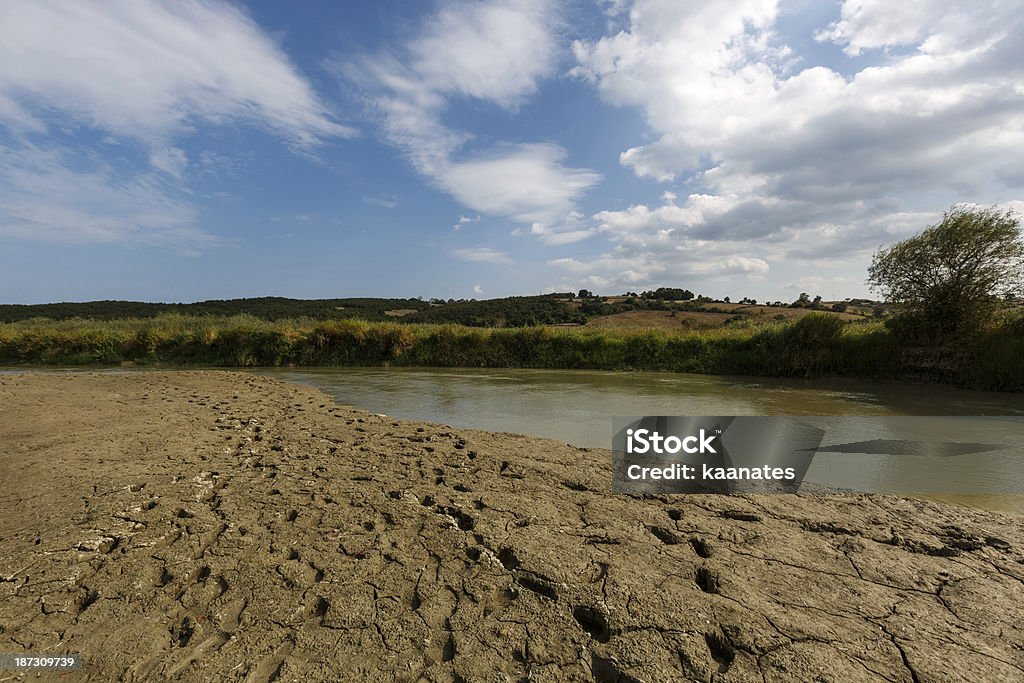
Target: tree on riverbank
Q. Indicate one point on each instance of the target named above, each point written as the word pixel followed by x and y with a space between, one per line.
pixel 948 280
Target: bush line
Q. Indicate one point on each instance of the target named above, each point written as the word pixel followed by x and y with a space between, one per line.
pixel 816 345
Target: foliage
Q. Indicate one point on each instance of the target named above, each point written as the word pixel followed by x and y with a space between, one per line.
pixel 803 301
pixel 516 311
pixel 239 341
pixel 815 345
pixel 669 294
pixel 946 281
pixel 807 347
pixel 267 308
pixel 522 311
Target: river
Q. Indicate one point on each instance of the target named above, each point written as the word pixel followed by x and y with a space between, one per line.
pixel 577 407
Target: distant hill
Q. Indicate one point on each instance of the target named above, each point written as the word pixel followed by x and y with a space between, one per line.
pixel 513 311
pixel 641 311
pixel 269 308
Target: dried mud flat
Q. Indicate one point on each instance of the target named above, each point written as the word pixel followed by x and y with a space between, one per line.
pixel 225 526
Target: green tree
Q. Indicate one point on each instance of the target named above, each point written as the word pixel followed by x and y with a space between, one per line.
pixel 946 282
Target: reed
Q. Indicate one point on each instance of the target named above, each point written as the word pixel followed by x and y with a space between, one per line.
pixel 812 346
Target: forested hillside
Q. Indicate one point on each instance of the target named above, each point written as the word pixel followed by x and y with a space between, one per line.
pixel 267 308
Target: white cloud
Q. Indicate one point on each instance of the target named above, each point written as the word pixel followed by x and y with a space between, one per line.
pixel 729 266
pixel 559 237
pixel 571 228
pixel 799 161
pixel 41 198
pixel 149 69
pixel 643 225
pixel 170 160
pixel 16 118
pixel 1017 206
pixel 147 72
pixel 713 88
pixel 872 24
pixel 388 201
pixel 493 51
pixel 478 290
pixel 409 110
pixel 820 285
pixel 687 262
pixel 661 160
pixel 482 255
pixel 526 182
pixel 465 220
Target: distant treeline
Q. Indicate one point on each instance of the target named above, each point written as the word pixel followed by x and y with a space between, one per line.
pixel 267 308
pixel 818 344
pixel 516 311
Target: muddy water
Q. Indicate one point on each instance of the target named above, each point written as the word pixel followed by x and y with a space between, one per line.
pixel 577 406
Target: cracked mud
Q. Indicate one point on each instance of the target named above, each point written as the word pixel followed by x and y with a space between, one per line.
pixel 223 526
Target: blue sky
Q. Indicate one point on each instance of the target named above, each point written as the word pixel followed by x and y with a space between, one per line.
pixel 197 149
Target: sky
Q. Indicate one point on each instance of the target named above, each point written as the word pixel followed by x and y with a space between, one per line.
pixel 185 150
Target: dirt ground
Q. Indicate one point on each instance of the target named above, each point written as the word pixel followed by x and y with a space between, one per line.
pixel 223 526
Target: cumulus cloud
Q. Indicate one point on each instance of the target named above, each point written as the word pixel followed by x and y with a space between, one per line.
pixel 710 85
pixel 643 225
pixel 527 182
pixel 799 160
pixel 495 52
pixel 873 24
pixel 663 159
pixel 639 265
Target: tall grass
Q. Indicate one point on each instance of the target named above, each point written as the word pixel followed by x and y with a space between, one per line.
pixel 815 345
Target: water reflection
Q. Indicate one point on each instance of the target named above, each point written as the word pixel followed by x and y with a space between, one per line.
pixel 577 407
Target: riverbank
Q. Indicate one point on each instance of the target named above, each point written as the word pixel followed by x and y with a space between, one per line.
pixel 214 525
pixel 814 346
